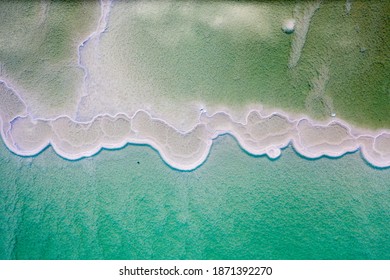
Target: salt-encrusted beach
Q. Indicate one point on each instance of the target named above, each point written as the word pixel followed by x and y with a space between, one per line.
pixel 161 87
pixel 129 92
pixel 262 133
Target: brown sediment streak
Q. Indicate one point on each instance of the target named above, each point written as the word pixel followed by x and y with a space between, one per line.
pixel 260 134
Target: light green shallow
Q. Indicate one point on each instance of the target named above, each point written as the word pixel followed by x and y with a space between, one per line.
pixel 185 59
pixel 237 66
pixel 235 206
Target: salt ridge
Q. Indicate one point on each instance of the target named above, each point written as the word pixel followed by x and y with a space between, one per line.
pixel 105 8
pixel 261 134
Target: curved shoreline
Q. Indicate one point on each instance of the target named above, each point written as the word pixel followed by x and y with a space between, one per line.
pixel 262 133
pixel 195 165
pixel 176 165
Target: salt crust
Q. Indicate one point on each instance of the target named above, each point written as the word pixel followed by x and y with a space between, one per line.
pixel 261 133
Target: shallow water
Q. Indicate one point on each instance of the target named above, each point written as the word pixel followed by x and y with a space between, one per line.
pixel 128 204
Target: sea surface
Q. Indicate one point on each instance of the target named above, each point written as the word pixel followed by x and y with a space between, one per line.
pixel 128 204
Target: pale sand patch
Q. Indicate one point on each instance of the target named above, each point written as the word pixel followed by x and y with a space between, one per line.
pixel 333 139
pixel 382 144
pixel 29 137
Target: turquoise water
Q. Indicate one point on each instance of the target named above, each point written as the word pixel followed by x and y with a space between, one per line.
pixel 128 204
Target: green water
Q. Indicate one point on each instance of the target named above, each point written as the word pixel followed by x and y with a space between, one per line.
pixel 235 206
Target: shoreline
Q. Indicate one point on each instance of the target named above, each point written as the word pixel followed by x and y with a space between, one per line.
pixel 263 132
pixel 196 165
pixel 183 137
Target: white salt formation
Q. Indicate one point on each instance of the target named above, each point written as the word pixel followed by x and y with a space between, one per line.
pixel 260 134
pixel 288 26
